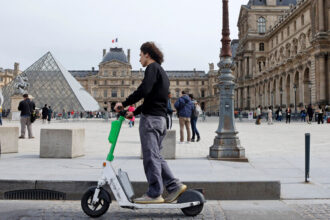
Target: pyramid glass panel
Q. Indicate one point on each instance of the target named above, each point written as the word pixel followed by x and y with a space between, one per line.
pixel 50 83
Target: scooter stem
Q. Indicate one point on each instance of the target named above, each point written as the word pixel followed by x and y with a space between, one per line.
pixel 113 136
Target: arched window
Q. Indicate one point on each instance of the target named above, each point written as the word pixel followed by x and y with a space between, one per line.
pixel 302 20
pixel 262 25
pixel 261 47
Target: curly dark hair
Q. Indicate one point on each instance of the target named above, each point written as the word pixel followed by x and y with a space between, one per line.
pixel 153 51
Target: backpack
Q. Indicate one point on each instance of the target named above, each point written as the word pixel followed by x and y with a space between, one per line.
pixel 196 111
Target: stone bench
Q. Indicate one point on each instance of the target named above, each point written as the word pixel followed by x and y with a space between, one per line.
pixel 62 143
pixel 9 140
pixel 169 145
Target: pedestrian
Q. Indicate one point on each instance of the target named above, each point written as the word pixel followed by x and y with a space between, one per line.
pixel 154 90
pixel 258 115
pixel 270 115
pixel 0 115
pixel 50 112
pixel 44 113
pixel 169 112
pixel 288 115
pixel 303 114
pixel 184 107
pixel 310 114
pixel 320 115
pixel 27 108
pixel 193 119
pixel 131 108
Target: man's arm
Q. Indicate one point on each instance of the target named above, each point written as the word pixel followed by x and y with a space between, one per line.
pixel 145 88
pixel 20 106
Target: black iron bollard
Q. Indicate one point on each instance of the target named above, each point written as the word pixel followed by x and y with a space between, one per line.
pixel 307 155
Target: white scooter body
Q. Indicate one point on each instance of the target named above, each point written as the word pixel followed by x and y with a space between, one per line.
pixel 110 177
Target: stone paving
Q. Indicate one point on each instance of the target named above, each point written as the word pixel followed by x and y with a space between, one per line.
pixel 215 210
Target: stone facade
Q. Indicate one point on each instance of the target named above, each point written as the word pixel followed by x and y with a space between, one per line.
pixel 7 75
pixel 115 80
pixel 283 54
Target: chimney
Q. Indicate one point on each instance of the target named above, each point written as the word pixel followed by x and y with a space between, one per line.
pixel 93 69
pixel 104 52
pixel 129 55
pixel 16 69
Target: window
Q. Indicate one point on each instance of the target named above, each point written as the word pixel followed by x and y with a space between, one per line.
pixel 261 47
pixel 215 91
pixel 202 83
pixel 187 83
pixel 288 31
pixel 177 92
pixel 282 36
pixel 122 82
pixel 203 93
pixel 272 43
pixel 114 73
pixel 122 93
pixel 177 83
pixel 1 79
pixel 105 93
pixel 262 25
pixel 260 68
pixel 105 72
pixel 302 20
pixel 295 25
pixel 114 93
pixel 133 82
pixel 276 40
pixel 95 82
pixel 123 73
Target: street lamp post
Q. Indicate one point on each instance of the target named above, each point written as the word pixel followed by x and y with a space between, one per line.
pixel 226 144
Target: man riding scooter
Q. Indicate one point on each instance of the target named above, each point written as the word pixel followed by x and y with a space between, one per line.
pixel 154 90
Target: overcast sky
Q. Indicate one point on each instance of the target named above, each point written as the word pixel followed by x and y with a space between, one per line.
pixel 76 31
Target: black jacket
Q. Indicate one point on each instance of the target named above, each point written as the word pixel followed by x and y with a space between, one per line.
pixel 26 107
pixel 154 90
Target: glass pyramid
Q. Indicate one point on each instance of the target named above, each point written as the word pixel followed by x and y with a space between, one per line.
pixel 50 83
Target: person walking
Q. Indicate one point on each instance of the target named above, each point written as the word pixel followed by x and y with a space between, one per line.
pixel 26 107
pixel 152 127
pixel 0 115
pixel 320 115
pixel 193 119
pixel 44 113
pixel 288 115
pixel 258 115
pixel 169 112
pixel 270 115
pixel 184 107
pixel 50 113
pixel 310 114
pixel 303 114
pixel 131 108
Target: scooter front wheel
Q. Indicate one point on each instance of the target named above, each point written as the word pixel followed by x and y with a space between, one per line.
pixel 98 209
pixel 192 196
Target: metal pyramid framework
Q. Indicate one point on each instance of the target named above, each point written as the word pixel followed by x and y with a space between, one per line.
pixel 50 83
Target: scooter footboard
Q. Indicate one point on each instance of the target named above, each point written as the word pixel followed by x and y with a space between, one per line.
pixel 125 184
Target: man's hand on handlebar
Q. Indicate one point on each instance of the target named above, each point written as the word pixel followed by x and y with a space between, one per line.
pixel 118 107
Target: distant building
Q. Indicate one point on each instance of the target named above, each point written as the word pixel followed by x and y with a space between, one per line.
pixel 7 75
pixel 283 53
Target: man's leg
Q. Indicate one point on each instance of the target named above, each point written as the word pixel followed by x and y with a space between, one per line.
pixel 193 129
pixel 187 123
pixel 29 127
pixel 181 122
pixel 23 124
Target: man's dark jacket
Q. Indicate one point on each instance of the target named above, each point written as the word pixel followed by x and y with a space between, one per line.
pixel 26 107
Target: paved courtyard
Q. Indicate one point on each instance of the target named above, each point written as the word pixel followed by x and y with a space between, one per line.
pixel 275 152
pixel 213 210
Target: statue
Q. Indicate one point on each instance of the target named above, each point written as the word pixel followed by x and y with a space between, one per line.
pixel 1 98
pixel 21 84
pixel 211 66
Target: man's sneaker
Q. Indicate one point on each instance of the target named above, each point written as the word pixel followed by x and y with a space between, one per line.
pixel 21 137
pixel 174 195
pixel 145 199
pixel 192 140
pixel 198 139
pixel 181 142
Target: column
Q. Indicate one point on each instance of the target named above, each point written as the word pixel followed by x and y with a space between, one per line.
pixel 245 95
pixel 239 97
pixel 250 67
pixel 322 72
pixel 321 15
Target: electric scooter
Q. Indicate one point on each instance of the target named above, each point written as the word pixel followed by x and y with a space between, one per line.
pixel 96 200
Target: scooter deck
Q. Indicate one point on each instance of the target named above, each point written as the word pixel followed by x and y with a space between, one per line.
pixel 162 205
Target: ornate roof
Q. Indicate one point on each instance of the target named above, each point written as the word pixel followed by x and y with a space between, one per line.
pixel 115 54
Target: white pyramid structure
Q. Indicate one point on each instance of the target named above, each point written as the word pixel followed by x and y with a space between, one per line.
pixel 50 83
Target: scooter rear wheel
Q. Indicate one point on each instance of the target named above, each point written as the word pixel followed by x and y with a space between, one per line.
pixel 192 196
pixel 100 207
